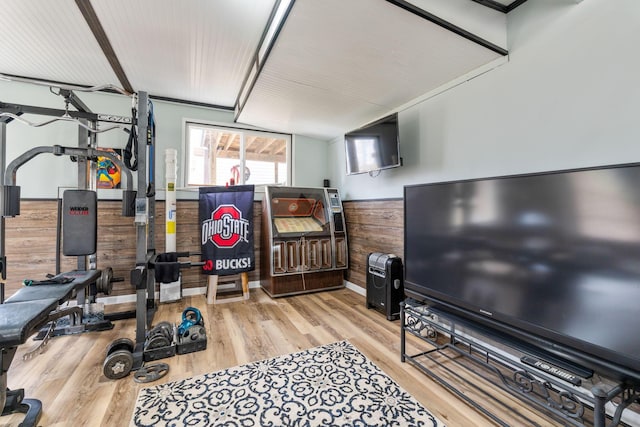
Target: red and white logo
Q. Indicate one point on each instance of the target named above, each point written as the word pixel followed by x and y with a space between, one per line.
pixel 226 227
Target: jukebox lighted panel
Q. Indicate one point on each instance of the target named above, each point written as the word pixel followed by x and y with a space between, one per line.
pixel 304 240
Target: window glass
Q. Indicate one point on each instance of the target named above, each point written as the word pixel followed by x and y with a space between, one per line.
pixel 226 156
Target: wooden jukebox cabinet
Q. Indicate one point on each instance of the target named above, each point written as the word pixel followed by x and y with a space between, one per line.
pixel 304 240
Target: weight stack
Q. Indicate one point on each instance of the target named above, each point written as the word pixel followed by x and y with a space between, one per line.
pixel 385 284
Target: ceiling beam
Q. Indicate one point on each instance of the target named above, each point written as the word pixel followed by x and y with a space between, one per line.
pixel 493 4
pixel 191 103
pixel 95 26
pixel 410 7
pixel 267 145
pixel 515 4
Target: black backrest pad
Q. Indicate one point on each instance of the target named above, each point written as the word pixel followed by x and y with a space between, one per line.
pixel 79 222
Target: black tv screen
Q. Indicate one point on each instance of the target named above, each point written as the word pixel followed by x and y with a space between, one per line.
pixel 373 147
pixel 553 255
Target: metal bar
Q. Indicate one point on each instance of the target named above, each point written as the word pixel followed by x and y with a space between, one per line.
pixel 65 118
pixel 59 235
pixel 64 85
pixel 142 222
pixel 7 119
pixel 148 144
pixel 11 170
pixel 74 100
pixel 82 184
pixel 191 103
pixel 403 333
pixel 44 111
pixel 516 4
pixel 83 144
pixel 409 7
pixel 3 160
pixel 19 109
pixel 493 4
pixel 455 391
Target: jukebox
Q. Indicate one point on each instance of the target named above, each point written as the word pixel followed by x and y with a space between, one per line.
pixel 304 240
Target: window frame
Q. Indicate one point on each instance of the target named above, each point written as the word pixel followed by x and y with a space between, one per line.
pixel 233 127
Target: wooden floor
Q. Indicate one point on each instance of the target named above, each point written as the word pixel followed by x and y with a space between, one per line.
pixel 68 378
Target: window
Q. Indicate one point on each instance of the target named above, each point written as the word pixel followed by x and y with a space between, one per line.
pixel 217 156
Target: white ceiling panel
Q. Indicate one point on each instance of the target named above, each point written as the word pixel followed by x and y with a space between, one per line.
pixel 196 50
pixel 337 65
pixel 50 40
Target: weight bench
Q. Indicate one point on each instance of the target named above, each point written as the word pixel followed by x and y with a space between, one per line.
pixel 25 313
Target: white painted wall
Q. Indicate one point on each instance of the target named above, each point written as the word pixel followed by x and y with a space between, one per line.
pixel 42 176
pixel 568 97
pixel 310 160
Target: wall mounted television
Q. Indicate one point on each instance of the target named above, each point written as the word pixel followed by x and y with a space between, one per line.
pixel 551 260
pixel 373 147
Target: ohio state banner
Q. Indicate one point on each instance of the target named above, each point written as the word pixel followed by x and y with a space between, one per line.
pixel 226 229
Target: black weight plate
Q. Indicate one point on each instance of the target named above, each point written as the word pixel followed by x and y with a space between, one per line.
pixel 166 328
pixel 149 373
pixel 156 332
pixel 107 283
pixel 117 364
pixel 120 344
pixel 157 341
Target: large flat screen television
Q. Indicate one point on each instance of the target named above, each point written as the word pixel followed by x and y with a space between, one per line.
pixel 373 147
pixel 551 259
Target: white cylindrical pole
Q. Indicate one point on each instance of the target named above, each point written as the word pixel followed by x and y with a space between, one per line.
pixel 171 175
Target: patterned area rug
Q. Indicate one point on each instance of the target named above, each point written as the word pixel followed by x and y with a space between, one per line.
pixel 330 385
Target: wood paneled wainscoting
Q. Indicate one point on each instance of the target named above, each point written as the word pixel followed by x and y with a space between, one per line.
pixel 372 226
pixel 31 242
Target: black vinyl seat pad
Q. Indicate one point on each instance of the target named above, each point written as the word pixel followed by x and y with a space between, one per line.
pixel 28 309
pixel 61 292
pixel 19 320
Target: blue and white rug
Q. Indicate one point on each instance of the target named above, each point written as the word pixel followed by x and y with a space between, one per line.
pixel 330 385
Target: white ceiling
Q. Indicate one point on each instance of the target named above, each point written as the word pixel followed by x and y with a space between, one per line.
pixel 334 66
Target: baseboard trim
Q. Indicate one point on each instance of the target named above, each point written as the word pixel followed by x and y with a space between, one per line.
pixel 123 299
pixel 355 288
pixel 187 292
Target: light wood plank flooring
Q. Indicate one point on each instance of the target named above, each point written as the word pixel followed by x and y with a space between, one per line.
pixel 68 378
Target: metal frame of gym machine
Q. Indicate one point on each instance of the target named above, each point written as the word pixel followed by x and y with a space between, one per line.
pixel 87 130
pixel 143 198
pixel 145 213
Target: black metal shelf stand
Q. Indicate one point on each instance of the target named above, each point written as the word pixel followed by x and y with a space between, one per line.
pixel 451 346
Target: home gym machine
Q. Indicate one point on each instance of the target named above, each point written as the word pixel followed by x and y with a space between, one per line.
pixel 37 305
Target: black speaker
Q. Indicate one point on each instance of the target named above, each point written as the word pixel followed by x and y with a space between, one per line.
pixel 385 284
